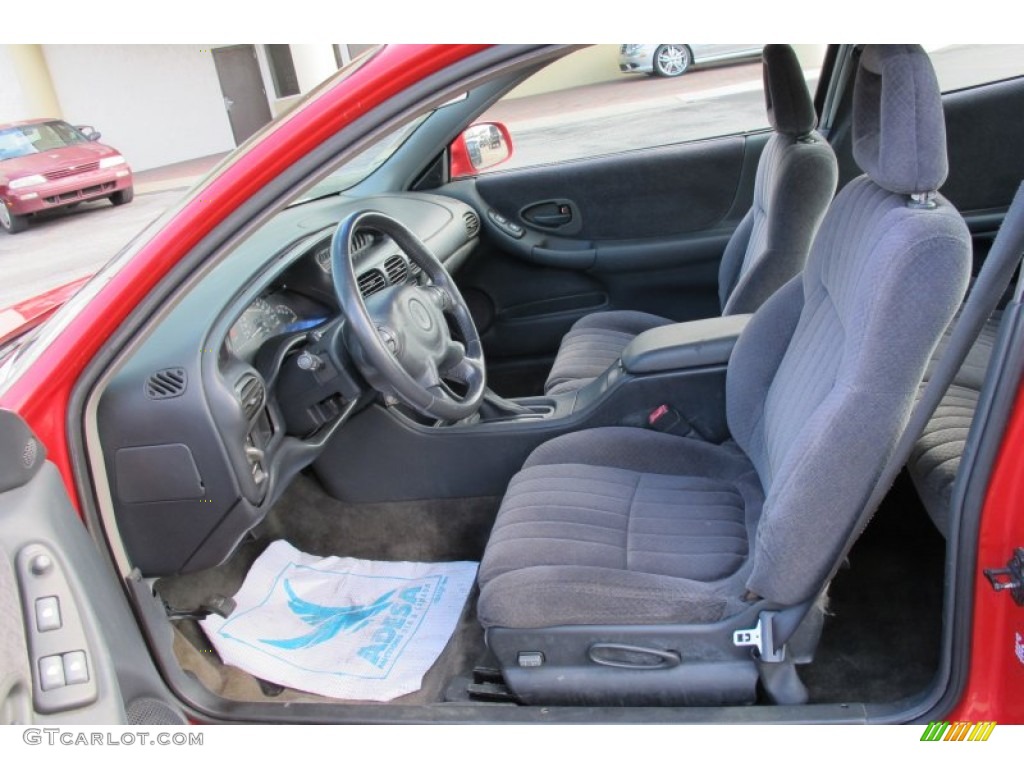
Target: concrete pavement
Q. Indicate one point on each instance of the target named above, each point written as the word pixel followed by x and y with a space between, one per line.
pixel 179 176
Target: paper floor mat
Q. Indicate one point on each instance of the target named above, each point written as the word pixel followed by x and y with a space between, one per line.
pixel 341 627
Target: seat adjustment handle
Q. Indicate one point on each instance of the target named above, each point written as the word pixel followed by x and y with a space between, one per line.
pixel 624 656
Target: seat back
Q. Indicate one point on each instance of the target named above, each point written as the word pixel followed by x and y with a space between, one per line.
pixel 822 381
pixel 796 178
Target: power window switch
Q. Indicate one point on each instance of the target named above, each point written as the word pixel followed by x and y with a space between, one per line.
pixel 48 614
pixel 76 668
pixel 51 673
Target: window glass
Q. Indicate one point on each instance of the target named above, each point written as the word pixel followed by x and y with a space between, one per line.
pixel 37 137
pixel 965 66
pixel 614 98
pixel 365 163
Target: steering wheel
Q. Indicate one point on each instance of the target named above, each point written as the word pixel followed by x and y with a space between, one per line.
pixel 399 337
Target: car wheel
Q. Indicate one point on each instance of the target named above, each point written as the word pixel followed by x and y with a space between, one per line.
pixel 10 222
pixel 672 60
pixel 123 196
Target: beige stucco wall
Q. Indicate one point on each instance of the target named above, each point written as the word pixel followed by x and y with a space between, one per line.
pixel 591 65
pixel 26 91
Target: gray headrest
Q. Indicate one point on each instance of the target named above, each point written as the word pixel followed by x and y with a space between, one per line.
pixel 899 131
pixel 790 109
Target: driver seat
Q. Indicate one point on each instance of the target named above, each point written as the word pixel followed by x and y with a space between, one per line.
pixel 628 566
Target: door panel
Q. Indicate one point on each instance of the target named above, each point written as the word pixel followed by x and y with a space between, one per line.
pixel 651 193
pixel 642 230
pixel 985 135
pixel 985 132
pixel 70 650
pixel 15 675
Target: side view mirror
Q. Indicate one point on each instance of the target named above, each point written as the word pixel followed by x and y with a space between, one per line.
pixel 482 145
pixel 89 132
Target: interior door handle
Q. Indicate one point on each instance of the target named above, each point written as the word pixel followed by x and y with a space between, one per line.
pixel 551 214
pixel 551 219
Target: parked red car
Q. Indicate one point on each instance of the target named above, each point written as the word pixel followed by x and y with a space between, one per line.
pixel 49 164
pixel 251 368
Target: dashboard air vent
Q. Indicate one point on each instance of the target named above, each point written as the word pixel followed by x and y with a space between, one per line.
pixel 472 223
pixel 165 384
pixel 372 281
pixel 251 394
pixel 361 241
pixel 397 270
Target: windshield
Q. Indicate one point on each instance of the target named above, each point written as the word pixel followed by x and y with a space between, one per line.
pixel 362 165
pixel 8 350
pixel 38 137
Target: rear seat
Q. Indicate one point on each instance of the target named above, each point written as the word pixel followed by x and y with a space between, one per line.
pixel 936 457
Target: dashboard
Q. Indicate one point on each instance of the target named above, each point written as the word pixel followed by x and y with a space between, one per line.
pixel 249 376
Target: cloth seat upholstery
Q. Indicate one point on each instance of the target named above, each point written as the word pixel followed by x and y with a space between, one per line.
pixel 818 390
pixel 934 464
pixel 796 178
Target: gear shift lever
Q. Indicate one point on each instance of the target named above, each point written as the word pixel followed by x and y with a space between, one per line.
pixel 495 407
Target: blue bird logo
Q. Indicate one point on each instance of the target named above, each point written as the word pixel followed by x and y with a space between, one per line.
pixel 328 621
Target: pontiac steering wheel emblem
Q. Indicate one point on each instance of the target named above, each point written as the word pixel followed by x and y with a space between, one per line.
pixel 420 314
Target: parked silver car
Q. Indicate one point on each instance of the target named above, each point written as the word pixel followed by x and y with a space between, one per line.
pixel 673 59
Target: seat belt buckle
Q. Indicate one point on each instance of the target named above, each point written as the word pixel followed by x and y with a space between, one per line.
pixel 664 418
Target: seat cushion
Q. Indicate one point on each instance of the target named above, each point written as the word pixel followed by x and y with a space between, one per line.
pixel 600 528
pixel 975 365
pixel 594 344
pixel 936 458
pixel 935 461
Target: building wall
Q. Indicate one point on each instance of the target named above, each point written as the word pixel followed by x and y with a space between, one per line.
pixel 589 65
pixel 12 96
pixel 313 64
pixel 25 88
pixel 158 104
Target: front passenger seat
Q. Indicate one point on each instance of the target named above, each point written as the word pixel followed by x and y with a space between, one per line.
pixel 796 178
pixel 633 566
